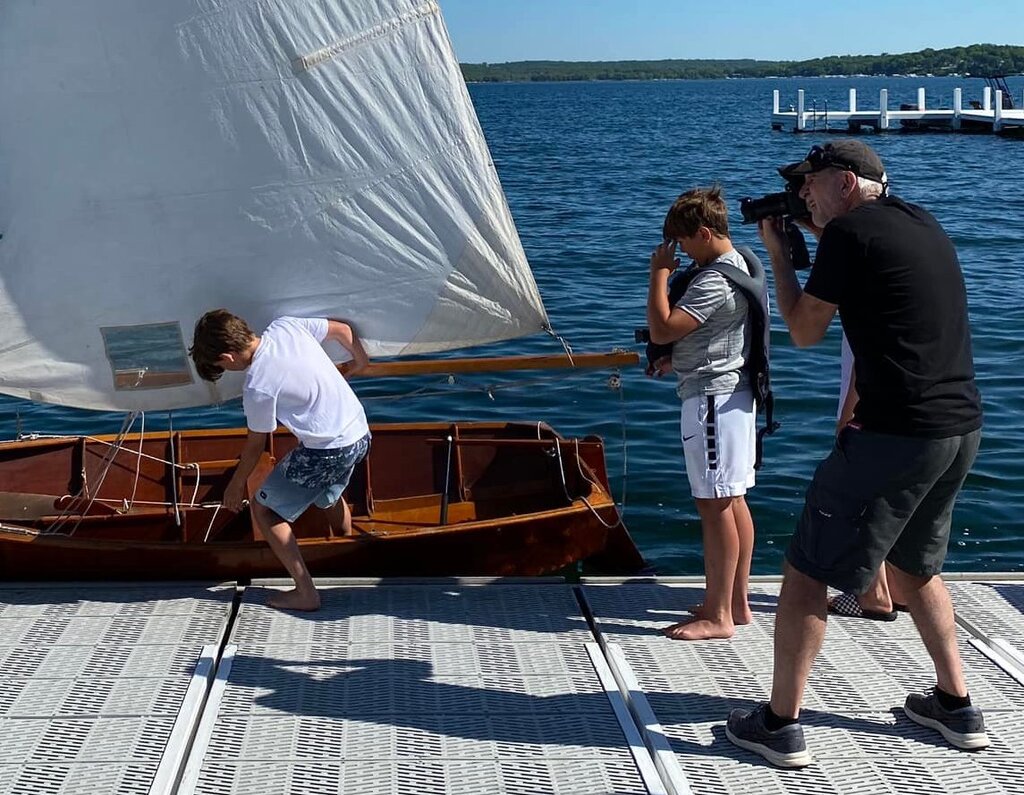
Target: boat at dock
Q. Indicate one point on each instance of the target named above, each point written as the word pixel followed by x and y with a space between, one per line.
pixel 315 160
pixel 430 499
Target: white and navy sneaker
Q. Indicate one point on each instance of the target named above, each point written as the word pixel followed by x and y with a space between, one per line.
pixel 784 747
pixel 964 727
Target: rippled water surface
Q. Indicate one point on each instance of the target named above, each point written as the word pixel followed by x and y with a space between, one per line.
pixel 589 170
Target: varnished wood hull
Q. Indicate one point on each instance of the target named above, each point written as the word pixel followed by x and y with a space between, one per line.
pixel 512 511
pixel 532 546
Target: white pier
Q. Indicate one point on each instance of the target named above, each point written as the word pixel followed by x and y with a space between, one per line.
pixel 991 117
pixel 472 686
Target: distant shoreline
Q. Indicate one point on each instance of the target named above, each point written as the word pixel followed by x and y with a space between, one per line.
pixel 765 77
pixel 976 60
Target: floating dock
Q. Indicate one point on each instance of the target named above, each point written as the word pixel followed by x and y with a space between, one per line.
pixel 472 686
pixel 989 117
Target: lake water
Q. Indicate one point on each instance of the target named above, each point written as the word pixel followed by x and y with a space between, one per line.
pixel 589 170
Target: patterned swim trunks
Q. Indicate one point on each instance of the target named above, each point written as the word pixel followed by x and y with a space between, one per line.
pixel 307 476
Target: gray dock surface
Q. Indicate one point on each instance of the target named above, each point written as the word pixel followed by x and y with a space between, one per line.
pixel 464 686
pixel 94 681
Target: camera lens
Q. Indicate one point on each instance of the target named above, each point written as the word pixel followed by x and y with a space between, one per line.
pixel 785 204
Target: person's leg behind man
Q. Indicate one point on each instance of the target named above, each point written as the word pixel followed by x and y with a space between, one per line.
pixel 880 601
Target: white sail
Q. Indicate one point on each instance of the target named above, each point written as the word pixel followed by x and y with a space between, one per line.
pixel 162 158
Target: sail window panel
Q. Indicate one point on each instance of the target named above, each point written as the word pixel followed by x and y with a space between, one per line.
pixel 147 356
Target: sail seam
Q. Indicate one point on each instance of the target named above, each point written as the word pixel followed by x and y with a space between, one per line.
pixel 306 62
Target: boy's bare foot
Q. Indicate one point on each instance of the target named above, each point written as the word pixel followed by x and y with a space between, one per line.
pixel 740 616
pixel 698 629
pixel 295 599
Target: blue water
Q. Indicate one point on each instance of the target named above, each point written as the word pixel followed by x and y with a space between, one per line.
pixel 589 170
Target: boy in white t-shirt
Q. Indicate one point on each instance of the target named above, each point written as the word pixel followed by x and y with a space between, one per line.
pixel 290 380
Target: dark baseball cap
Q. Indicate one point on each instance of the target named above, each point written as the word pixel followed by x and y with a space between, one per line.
pixel 847 154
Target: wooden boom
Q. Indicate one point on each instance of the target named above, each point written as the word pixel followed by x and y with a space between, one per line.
pixel 496 364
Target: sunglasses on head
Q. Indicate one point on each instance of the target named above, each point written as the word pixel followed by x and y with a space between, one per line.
pixel 819 157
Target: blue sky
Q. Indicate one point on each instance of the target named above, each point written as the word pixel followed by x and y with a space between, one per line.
pixel 607 30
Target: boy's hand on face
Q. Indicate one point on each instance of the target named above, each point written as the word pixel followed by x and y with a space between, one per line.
pixel 664 258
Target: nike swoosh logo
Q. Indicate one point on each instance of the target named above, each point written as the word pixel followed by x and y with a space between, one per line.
pixel 687 438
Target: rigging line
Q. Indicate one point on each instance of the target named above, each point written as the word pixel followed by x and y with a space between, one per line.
pixel 174 476
pixel 138 461
pixel 565 485
pixel 212 520
pixel 579 468
pixel 64 516
pixel 33 436
pixel 164 503
pixel 195 491
pixel 215 506
pixel 563 342
pixel 130 423
pixel 106 462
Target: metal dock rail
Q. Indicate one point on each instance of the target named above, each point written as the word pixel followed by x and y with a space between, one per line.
pixel 471 686
pixel 989 117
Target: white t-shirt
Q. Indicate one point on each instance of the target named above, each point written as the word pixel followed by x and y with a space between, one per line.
pixel 293 381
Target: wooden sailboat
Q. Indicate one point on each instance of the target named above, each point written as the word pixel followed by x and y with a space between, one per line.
pixel 497 499
pixel 319 160
pixel 494 499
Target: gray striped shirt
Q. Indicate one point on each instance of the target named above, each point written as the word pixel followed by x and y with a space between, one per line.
pixel 709 360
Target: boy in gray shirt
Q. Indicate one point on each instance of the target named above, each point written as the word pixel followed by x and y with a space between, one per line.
pixel 710 330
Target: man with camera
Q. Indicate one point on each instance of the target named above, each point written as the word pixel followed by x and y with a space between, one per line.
pixel 887 489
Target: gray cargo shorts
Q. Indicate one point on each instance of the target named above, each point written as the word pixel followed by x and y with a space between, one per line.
pixel 880 497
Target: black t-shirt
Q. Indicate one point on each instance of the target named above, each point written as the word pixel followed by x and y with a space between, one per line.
pixel 894 274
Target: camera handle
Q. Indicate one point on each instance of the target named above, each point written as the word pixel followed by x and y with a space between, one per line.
pixel 797 247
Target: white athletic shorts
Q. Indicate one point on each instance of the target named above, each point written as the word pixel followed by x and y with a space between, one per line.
pixel 719 444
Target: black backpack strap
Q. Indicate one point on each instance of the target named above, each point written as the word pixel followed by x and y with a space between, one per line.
pixel 753 287
pixel 752 284
pixel 770 427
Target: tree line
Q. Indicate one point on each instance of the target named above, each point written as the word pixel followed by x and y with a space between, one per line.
pixel 978 60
